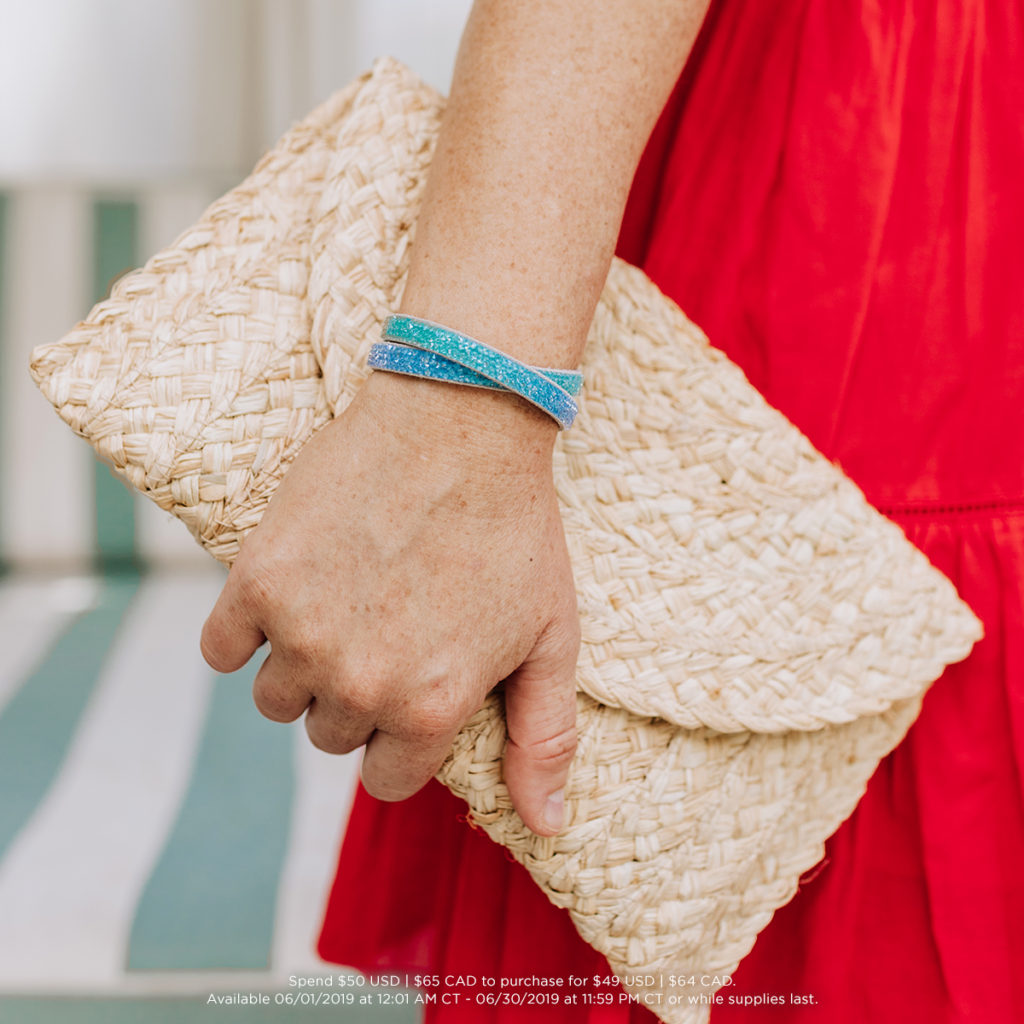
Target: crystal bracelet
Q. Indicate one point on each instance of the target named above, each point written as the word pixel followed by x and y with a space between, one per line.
pixel 418 362
pixel 507 373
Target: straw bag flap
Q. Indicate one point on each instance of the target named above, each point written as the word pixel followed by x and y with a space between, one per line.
pixel 728 575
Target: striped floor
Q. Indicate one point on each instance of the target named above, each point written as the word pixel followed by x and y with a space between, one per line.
pixel 159 840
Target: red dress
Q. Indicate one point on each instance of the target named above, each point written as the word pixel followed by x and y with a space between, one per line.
pixel 835 193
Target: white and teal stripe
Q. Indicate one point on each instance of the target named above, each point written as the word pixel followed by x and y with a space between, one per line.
pixel 115 251
pixel 46 486
pixel 60 248
pixel 158 838
pixel 4 362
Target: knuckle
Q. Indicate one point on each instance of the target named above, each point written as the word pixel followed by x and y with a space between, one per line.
pixel 440 706
pixel 328 739
pixel 209 648
pixel 355 697
pixel 429 725
pixel 258 585
pixel 463 705
pixel 565 634
pixel 276 706
pixel 302 642
pixel 262 574
pixel 554 751
pixel 431 720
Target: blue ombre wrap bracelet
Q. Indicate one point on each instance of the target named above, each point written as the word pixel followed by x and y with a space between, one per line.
pixel 417 362
pixel 426 349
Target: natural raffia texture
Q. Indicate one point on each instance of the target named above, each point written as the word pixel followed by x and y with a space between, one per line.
pixel 755 636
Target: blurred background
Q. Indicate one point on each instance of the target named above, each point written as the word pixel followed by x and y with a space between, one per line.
pixel 159 841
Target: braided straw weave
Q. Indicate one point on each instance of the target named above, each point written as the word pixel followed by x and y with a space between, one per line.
pixel 755 636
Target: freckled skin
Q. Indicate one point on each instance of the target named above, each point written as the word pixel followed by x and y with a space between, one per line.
pixel 413 557
pixel 449 581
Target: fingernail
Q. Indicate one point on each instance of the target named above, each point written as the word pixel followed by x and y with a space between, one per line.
pixel 554 811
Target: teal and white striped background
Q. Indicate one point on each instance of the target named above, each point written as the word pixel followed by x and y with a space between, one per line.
pixel 159 840
pixel 60 505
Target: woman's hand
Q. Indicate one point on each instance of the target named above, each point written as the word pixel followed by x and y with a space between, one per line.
pixel 411 559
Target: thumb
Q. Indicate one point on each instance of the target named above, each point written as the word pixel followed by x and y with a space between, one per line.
pixel 540 711
pixel 230 635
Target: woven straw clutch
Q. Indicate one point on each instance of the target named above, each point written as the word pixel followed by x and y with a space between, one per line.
pixel 755 636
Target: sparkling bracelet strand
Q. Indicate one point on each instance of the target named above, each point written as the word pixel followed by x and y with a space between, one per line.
pixel 508 374
pixel 417 362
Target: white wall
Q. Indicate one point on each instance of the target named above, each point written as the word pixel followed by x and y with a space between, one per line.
pixel 124 90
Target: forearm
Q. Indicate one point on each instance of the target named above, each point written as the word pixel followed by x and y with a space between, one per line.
pixel 550 107
pixel 451 562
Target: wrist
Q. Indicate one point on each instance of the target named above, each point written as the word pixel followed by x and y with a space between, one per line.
pixel 496 429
